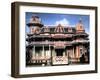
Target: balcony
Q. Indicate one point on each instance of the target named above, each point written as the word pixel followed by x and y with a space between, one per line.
pixel 58 43
pixel 41 58
pixel 80 41
pixel 51 42
pixel 60 60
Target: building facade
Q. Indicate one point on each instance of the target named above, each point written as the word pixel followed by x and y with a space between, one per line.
pixel 56 45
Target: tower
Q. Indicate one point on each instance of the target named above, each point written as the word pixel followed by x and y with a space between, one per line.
pixel 81 38
pixel 80 27
pixel 35 24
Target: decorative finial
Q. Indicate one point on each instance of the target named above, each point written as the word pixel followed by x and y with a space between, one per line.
pixel 80 20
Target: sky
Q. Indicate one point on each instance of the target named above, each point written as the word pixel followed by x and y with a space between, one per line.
pixel 63 19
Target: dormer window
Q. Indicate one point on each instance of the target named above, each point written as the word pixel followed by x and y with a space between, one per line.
pixel 80 27
pixel 69 29
pixel 35 30
pixel 32 30
pixel 46 29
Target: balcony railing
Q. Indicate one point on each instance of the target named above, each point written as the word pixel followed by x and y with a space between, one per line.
pixel 60 60
pixel 41 58
pixel 51 42
pixel 81 41
pixel 58 42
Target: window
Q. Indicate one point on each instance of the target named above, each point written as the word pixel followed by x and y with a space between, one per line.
pixel 69 29
pixel 81 51
pixel 46 29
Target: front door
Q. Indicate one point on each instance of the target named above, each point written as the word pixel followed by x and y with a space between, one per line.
pixel 59 57
pixel 59 52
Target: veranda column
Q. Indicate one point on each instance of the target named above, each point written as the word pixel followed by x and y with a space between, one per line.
pixel 33 55
pixel 73 55
pixel 48 55
pixel 77 51
pixel 43 56
pixel 43 51
pixel 49 47
pixel 73 52
pixel 49 51
pixel 64 53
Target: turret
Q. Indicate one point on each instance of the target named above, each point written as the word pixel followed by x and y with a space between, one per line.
pixel 80 27
pixel 35 24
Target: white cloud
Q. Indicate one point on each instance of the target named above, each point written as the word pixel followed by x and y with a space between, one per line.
pixel 72 25
pixel 63 22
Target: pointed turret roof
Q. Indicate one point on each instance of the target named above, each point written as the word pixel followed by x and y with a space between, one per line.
pixel 80 26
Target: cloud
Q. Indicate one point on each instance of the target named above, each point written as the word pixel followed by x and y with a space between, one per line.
pixel 63 22
pixel 72 25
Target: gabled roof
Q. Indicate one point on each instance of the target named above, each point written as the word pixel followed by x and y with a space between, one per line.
pixel 54 30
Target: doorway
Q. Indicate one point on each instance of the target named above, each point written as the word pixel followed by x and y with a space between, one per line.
pixel 59 52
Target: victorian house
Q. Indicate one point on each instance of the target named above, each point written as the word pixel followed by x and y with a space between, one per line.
pixel 56 45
